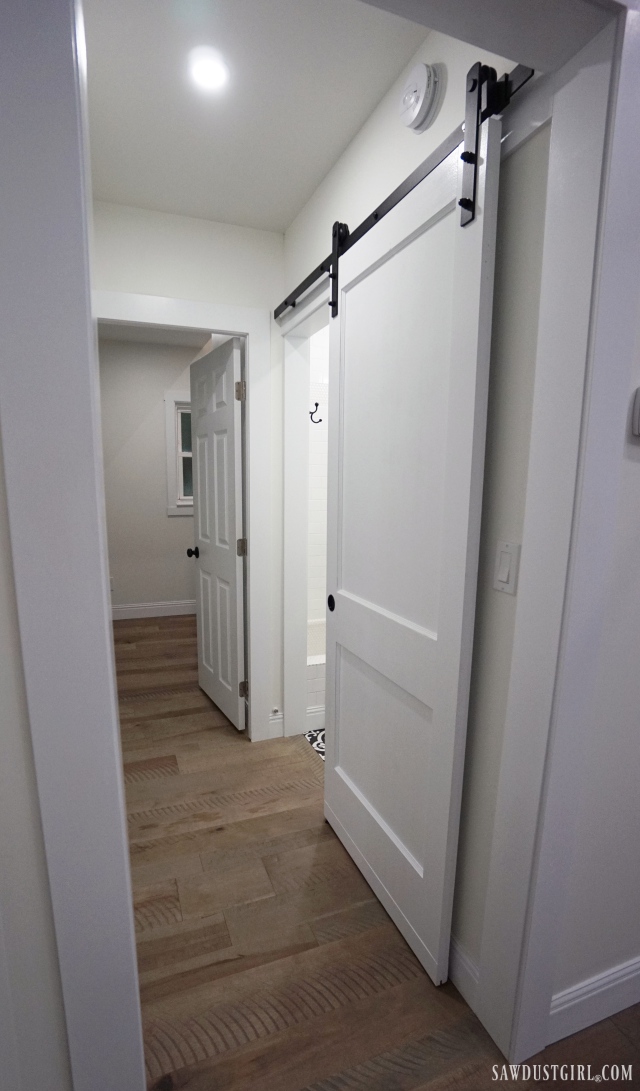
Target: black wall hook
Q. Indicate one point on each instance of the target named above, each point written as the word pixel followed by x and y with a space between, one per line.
pixel 312 413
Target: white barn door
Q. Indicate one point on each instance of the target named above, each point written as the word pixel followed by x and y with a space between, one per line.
pixel 216 423
pixel 408 388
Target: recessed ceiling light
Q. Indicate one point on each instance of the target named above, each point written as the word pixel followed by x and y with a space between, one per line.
pixel 207 68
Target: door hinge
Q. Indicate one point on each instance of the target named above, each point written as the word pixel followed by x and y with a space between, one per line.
pixel 243 689
pixel 241 547
pixel 241 391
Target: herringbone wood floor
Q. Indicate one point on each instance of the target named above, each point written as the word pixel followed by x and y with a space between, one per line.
pixel 266 962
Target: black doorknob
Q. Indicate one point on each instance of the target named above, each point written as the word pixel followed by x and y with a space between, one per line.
pixel 193 552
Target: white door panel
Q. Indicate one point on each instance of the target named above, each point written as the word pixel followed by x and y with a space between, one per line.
pixel 216 426
pixel 409 374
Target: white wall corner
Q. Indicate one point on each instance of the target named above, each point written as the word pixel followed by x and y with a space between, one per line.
pixel 597 998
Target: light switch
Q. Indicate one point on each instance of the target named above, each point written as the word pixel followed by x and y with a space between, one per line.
pixel 504 566
pixel 505 574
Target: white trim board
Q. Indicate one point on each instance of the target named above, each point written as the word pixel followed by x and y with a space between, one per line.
pixel 463 971
pixel 276 726
pixel 596 998
pixel 173 399
pixel 315 718
pixel 153 609
pixel 515 985
pixel 255 326
pixel 313 721
pixel 49 362
pixel 612 357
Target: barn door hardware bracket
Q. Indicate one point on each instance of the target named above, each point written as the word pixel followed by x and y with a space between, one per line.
pixel 477 77
pixel 339 236
pixel 486 96
pixel 489 96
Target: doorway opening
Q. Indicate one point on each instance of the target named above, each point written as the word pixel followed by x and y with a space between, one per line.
pixel 160 518
pixel 317 536
pixel 145 408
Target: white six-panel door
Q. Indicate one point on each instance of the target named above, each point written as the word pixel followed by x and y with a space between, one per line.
pixel 408 388
pixel 217 508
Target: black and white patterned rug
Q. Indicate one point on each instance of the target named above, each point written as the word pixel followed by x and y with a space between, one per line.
pixel 316 738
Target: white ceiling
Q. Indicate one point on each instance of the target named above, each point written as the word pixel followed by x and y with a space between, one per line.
pixel 541 33
pixel 305 75
pixel 157 335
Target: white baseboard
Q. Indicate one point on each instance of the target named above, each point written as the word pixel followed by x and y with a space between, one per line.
pixel 314 721
pixel 463 972
pixel 275 729
pixel 596 998
pixel 315 718
pixel 153 609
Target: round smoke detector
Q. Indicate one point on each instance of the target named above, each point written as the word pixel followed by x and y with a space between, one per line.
pixel 419 97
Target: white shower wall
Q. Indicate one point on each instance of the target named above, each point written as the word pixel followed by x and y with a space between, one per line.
pixel 318 435
pixel 317 525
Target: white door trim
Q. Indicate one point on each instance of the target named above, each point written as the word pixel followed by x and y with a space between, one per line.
pixel 578 132
pixel 56 514
pixel 255 326
pixel 309 316
pixel 611 363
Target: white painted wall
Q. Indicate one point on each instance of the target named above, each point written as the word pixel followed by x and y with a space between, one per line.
pixel 380 157
pixel 154 253
pixel 26 922
pixel 148 559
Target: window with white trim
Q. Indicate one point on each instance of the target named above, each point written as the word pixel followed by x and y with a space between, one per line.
pixel 179 453
pixel 184 455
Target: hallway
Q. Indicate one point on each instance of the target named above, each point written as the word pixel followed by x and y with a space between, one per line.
pixel 266 962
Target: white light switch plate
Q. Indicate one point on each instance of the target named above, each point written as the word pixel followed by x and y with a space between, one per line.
pixel 505 573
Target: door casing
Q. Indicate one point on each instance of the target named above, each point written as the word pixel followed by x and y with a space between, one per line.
pixel 253 326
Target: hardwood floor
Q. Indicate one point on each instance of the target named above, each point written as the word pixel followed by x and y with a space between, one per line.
pixel 266 962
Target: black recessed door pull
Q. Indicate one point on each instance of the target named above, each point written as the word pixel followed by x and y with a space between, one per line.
pixel 193 553
pixel 331 603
